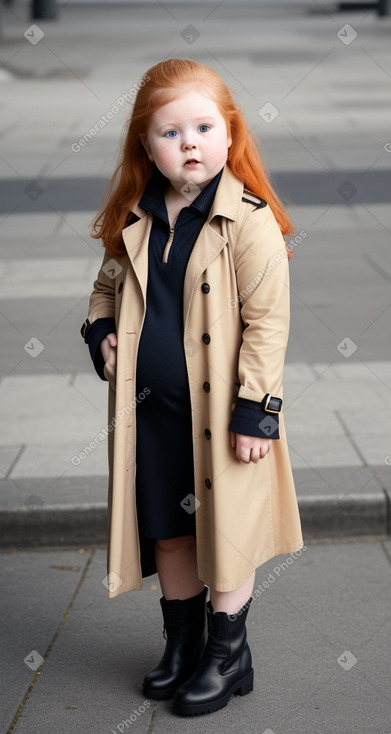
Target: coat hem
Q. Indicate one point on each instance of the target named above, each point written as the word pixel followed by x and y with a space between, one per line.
pixel 122 590
pixel 279 550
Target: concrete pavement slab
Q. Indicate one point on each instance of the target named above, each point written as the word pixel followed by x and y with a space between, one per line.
pixel 373 448
pixel 36 591
pixel 91 387
pixel 48 277
pixel 56 322
pixel 373 372
pixel 349 480
pixel 307 450
pixel 80 222
pixel 72 243
pixel 318 630
pixel 323 393
pixel 33 223
pixel 52 411
pixel 350 370
pixel 356 370
pixel 356 424
pixel 59 459
pixel 299 371
pixel 332 221
pixel 383 475
pixel 92 652
pixel 63 490
pixel 8 455
pixel 300 423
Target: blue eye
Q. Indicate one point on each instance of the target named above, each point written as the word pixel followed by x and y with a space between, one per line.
pixel 204 128
pixel 171 134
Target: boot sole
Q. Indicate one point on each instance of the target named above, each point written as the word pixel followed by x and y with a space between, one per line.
pixel 244 686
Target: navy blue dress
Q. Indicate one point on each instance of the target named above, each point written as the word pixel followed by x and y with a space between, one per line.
pixel 164 453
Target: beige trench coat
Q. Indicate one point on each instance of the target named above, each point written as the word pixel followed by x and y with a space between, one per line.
pixel 247 513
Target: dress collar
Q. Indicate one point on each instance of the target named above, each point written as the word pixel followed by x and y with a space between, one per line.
pixel 152 199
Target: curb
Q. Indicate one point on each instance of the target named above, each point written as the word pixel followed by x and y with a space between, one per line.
pixel 322 516
pixel 345 515
pixel 57 525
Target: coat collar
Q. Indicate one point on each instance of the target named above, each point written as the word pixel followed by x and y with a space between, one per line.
pixel 226 201
pixel 153 201
pixel 228 197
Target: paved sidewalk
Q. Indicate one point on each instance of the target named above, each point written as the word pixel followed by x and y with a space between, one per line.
pixel 319 630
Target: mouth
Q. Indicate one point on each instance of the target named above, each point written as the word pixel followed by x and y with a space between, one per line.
pixel 191 161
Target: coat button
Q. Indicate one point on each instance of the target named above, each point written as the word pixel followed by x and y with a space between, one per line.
pixel 121 285
pixel 206 386
pixel 208 483
pixel 208 433
pixel 205 287
pixel 206 338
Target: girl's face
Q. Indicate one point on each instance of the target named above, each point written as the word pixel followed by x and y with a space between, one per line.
pixel 188 140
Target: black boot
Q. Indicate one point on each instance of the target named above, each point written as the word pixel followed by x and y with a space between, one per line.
pixel 185 626
pixel 225 667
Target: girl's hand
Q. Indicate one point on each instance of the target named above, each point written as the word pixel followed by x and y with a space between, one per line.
pixel 249 448
pixel 107 344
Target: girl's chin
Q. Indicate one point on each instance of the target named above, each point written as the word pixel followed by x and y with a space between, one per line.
pixel 188 184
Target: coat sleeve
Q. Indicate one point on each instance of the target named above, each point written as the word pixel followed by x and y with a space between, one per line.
pixel 262 275
pixel 102 299
pixel 101 312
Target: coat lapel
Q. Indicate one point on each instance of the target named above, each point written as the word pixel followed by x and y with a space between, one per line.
pixel 209 242
pixel 136 238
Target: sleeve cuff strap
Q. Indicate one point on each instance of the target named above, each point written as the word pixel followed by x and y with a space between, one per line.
pixel 251 419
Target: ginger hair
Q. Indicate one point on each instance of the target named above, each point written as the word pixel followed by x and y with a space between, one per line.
pixel 163 83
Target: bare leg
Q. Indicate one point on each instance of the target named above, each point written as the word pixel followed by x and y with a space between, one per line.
pixel 176 564
pixel 231 601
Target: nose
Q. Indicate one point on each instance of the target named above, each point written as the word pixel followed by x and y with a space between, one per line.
pixel 188 145
pixel 188 142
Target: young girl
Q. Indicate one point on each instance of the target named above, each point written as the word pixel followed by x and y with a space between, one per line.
pixel 188 321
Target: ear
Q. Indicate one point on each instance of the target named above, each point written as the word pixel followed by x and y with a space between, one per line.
pixel 146 146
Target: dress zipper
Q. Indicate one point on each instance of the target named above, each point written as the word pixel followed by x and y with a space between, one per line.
pixel 168 245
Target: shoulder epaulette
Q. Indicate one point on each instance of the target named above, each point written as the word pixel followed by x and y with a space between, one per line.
pixel 251 198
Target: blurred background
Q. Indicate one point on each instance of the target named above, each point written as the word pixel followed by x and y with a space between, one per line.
pixel 314 81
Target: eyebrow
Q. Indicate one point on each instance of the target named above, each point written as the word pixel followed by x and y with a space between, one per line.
pixel 204 118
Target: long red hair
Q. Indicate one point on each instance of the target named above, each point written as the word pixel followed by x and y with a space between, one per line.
pixel 161 84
